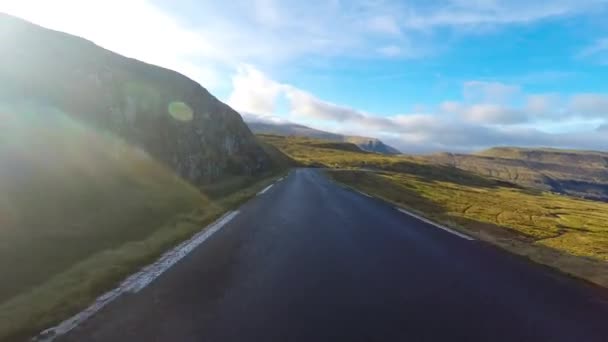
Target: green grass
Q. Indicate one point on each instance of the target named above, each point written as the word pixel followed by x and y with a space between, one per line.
pixel 564 232
pixel 67 292
pixel 577 173
pixel 80 210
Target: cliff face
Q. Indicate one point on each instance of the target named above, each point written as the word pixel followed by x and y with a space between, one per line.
pixel 171 117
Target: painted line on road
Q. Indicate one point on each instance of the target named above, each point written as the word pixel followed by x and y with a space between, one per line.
pixel 264 190
pixel 139 280
pixel 451 231
pixel 151 272
pixel 364 194
pixel 348 187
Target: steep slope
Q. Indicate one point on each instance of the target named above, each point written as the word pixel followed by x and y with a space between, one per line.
pixel 105 162
pixel 171 117
pixel 289 129
pixel 67 192
pixel 577 173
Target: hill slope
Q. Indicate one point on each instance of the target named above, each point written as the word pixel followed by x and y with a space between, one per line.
pixel 105 162
pixel 577 173
pixel 548 155
pixel 288 129
pixel 171 117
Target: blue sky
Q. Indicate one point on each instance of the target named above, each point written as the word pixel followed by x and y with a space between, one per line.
pixel 425 76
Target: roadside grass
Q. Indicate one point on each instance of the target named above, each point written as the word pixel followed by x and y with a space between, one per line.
pixel 80 210
pixel 67 292
pixel 567 233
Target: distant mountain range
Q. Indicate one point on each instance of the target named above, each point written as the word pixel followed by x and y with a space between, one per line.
pixel 290 129
pixel 571 172
pixel 577 173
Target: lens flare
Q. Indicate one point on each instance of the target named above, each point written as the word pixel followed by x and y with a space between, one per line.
pixel 180 111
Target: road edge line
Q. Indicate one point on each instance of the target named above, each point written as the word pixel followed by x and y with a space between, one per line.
pixel 365 194
pixel 436 225
pixel 263 191
pixel 404 211
pixel 137 281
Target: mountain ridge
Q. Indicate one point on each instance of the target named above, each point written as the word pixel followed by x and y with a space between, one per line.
pixel 292 129
pixel 577 173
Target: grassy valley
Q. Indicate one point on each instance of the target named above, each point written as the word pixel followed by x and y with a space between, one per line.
pixel 561 231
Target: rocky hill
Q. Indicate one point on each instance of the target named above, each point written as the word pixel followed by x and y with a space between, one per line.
pixel 289 129
pixel 105 162
pixel 577 173
pixel 171 117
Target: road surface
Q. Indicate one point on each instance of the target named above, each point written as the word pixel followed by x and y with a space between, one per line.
pixel 308 260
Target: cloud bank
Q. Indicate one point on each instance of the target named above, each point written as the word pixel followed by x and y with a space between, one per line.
pixel 462 126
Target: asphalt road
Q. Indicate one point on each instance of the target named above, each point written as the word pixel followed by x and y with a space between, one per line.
pixel 311 261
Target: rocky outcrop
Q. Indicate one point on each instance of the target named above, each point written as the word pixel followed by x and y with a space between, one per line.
pixel 173 118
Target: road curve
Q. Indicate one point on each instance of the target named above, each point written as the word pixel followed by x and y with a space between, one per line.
pixel 308 260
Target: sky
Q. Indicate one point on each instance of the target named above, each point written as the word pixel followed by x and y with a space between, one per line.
pixel 423 76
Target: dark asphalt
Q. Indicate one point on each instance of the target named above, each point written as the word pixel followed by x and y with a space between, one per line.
pixel 311 261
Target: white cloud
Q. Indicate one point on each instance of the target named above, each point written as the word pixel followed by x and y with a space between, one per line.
pixel 253 91
pixel 489 92
pixel 452 13
pixel 599 46
pixel 267 13
pixel 266 32
pixel 590 105
pixel 596 52
pixel 266 118
pixel 308 107
pixel 453 126
pixel 256 93
pixel 483 113
pixel 384 24
pixel 493 114
pixel 543 105
pixel 135 28
pixel 390 51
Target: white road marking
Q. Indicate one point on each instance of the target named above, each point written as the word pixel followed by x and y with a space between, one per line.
pixel 451 231
pixel 264 190
pixel 364 194
pixel 137 281
pixel 170 258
